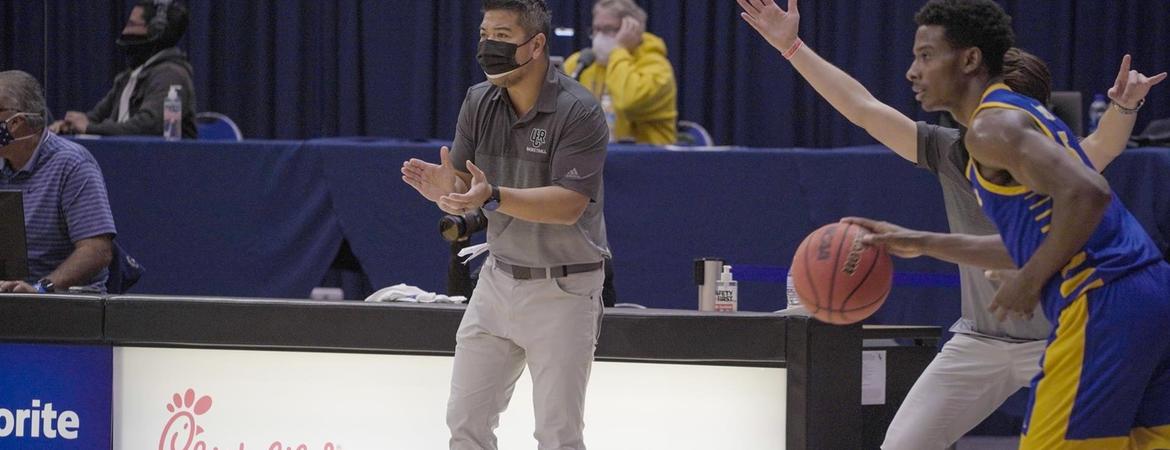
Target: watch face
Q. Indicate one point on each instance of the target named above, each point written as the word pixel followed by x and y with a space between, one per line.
pixel 44 286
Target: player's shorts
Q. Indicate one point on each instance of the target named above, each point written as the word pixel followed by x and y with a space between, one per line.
pixel 1105 377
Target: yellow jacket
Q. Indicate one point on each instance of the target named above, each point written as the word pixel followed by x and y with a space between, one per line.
pixel 643 90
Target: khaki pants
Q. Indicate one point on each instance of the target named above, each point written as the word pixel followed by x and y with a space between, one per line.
pixel 963 385
pixel 552 324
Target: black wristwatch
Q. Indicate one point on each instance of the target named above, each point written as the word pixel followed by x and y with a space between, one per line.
pixel 493 201
pixel 45 286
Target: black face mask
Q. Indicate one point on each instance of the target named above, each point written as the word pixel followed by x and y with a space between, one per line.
pixel 498 58
pixel 137 48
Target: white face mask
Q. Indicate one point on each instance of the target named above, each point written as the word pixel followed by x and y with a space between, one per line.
pixel 603 45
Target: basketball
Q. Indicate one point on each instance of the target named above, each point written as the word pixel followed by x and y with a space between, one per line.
pixel 839 279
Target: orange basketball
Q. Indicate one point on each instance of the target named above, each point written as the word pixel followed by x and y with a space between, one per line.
pixel 839 279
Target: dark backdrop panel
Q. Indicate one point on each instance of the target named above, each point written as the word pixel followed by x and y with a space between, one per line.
pixel 266 218
pixel 249 219
pixel 305 69
pixel 393 231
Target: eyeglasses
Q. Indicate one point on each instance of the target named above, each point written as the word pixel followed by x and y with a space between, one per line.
pixel 603 30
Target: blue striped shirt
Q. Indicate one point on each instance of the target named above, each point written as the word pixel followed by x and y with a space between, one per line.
pixel 65 201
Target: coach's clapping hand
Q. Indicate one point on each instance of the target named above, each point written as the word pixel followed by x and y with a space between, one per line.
pixel 17 286
pixel 475 196
pixel 433 181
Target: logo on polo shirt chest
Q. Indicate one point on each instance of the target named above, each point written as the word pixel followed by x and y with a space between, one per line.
pixel 538 138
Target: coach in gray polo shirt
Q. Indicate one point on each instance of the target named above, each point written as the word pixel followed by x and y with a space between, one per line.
pixel 529 149
pixel 66 210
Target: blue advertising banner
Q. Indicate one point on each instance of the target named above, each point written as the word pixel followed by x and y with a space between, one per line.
pixel 55 396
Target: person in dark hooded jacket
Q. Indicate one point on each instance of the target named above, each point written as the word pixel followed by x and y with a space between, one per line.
pixel 134 106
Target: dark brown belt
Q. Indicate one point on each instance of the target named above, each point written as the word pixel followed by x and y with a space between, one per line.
pixel 531 273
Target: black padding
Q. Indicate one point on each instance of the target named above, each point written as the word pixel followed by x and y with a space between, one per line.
pixel 51 318
pixel 282 324
pixel 649 335
pixel 690 336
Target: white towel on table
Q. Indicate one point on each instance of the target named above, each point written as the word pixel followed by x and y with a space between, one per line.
pixel 412 294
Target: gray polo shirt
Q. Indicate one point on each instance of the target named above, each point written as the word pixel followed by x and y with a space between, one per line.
pixel 941 151
pixel 560 142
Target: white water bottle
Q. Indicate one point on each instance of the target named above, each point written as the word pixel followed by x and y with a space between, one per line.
pixel 1096 111
pixel 793 297
pixel 173 115
pixel 610 115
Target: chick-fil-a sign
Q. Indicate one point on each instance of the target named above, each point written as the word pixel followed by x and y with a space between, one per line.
pixel 183 432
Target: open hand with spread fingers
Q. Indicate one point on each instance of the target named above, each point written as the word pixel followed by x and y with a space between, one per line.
pixel 777 26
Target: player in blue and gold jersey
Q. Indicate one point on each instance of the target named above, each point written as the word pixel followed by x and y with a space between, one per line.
pixel 1093 373
pixel 1105 378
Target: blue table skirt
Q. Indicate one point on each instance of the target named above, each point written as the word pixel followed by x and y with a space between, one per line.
pixel 266 218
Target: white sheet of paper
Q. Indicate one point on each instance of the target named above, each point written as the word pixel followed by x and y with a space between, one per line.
pixel 873 377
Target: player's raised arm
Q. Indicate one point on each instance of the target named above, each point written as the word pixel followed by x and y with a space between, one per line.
pixel 846 94
pixel 1126 97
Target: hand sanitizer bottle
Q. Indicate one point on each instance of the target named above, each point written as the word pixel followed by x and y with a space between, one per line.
pixel 726 292
pixel 793 297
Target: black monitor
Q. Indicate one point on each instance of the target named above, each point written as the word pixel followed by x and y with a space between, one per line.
pixel 13 247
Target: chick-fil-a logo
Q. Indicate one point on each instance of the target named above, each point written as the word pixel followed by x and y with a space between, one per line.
pixel 182 429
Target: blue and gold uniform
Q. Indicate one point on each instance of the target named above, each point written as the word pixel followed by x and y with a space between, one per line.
pixel 1105 378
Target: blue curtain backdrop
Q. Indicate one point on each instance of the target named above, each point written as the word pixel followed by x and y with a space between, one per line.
pixel 303 69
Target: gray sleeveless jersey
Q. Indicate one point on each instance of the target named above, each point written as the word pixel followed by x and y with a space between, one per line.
pixel 941 151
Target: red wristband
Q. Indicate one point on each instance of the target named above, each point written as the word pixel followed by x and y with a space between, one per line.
pixel 788 54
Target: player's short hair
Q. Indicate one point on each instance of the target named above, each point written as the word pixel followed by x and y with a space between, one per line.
pixel 972 23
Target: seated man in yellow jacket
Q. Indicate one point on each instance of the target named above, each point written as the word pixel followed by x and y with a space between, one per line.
pixel 630 75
